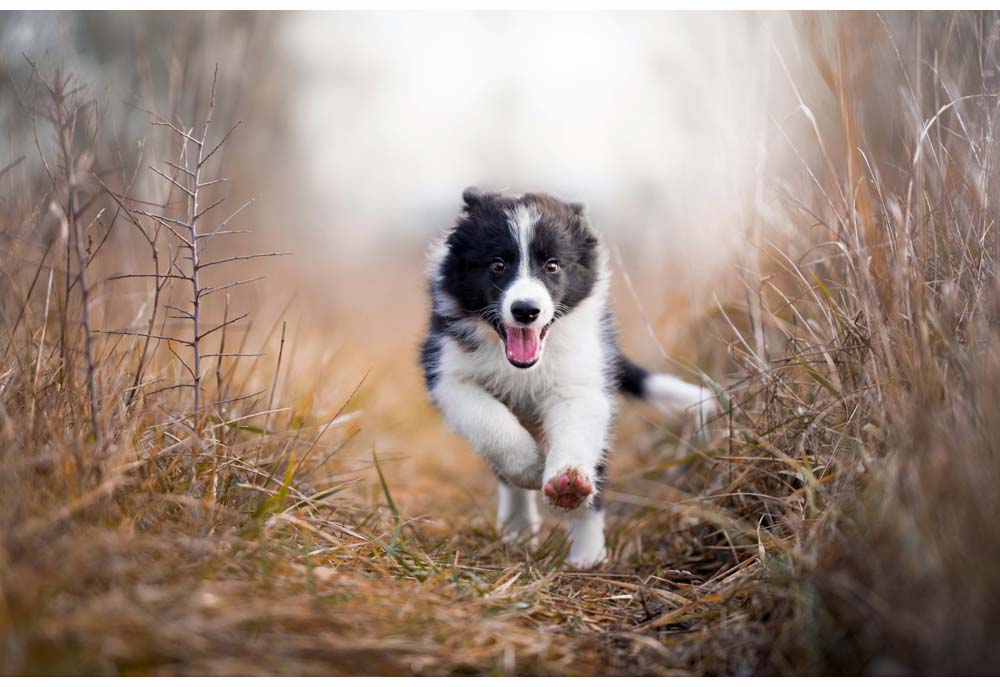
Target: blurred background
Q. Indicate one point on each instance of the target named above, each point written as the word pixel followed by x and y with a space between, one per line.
pixel 359 132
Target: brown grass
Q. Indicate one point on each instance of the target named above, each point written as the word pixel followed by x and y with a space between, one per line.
pixel 841 520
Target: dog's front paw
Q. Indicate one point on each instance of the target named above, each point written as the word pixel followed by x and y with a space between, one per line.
pixel 569 488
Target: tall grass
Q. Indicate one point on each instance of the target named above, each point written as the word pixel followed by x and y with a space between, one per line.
pixel 840 520
pixel 134 455
pixel 870 365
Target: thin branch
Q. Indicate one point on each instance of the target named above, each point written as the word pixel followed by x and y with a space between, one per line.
pixel 162 218
pixel 231 355
pixel 170 179
pixel 212 182
pixel 66 127
pixel 157 275
pixel 179 358
pixel 270 398
pixel 183 170
pixel 184 385
pixel 24 305
pixel 226 221
pixel 222 233
pixel 21 159
pixel 176 131
pixel 125 332
pixel 218 145
pixel 209 209
pixel 217 327
pixel 220 261
pixel 215 289
pixel 180 310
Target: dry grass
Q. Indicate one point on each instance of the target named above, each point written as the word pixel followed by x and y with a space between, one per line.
pixel 840 520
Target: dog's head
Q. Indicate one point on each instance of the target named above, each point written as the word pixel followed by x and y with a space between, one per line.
pixel 518 263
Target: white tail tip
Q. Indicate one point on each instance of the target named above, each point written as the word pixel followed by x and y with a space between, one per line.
pixel 673 395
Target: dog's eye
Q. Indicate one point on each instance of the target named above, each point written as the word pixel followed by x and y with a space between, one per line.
pixel 552 266
pixel 498 265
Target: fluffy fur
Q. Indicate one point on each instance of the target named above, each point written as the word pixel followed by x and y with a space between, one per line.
pixel 522 359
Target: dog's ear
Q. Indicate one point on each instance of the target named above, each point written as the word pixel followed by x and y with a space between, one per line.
pixel 579 209
pixel 473 197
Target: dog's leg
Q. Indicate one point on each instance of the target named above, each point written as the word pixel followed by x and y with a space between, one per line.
pixel 586 529
pixel 586 536
pixel 576 427
pixel 517 513
pixel 492 431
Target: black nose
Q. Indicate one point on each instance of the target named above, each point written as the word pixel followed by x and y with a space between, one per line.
pixel 524 312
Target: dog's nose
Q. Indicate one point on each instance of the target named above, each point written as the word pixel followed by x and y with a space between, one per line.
pixel 524 312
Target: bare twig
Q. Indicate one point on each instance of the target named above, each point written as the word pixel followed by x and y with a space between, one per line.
pixel 11 166
pixel 64 118
pixel 270 398
pixel 221 261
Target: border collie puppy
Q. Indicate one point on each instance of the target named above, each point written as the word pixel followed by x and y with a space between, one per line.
pixel 522 359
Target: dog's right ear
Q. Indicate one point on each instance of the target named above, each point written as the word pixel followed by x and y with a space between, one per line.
pixel 473 197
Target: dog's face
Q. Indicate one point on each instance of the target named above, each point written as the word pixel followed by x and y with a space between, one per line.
pixel 519 263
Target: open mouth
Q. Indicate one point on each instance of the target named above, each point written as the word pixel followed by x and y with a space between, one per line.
pixel 523 344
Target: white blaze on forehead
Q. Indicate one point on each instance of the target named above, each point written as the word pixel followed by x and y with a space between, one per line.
pixel 522 224
pixel 522 220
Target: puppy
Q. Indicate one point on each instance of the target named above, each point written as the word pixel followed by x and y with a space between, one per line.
pixel 522 359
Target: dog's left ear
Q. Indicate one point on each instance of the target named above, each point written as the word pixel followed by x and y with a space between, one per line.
pixel 472 197
pixel 582 223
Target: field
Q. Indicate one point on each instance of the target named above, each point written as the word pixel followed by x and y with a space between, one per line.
pixel 204 474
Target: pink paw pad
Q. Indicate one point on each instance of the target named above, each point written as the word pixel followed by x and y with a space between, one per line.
pixel 569 489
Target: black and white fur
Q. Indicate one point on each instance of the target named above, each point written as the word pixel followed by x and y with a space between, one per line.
pixel 523 362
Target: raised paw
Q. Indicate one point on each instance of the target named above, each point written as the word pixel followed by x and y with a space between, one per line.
pixel 569 489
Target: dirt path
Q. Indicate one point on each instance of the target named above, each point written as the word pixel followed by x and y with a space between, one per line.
pixel 489 607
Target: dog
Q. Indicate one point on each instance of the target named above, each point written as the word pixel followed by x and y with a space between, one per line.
pixel 522 360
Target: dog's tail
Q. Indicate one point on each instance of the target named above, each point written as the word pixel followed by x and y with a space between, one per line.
pixel 668 393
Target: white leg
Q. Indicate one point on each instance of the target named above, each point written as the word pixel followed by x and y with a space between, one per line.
pixel 492 430
pixel 577 428
pixel 517 513
pixel 586 533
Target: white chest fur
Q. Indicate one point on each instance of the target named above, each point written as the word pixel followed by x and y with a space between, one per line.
pixel 575 356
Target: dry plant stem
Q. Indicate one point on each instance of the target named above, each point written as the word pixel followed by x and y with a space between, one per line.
pixel 192 226
pixel 213 482
pixel 25 301
pixel 65 121
pixel 11 166
pixel 41 343
pixel 195 150
pixel 270 398
pixel 222 352
pixel 157 290
pixel 153 239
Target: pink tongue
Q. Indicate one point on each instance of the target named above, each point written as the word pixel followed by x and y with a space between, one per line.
pixel 523 344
